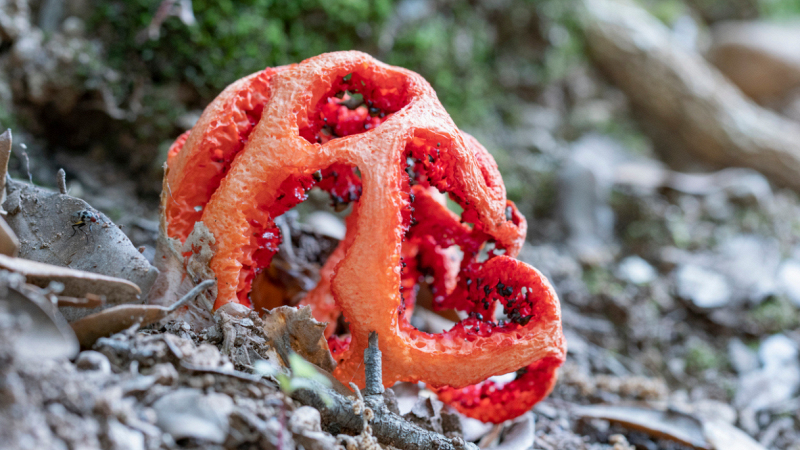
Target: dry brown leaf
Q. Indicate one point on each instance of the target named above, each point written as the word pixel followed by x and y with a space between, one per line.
pixel 724 436
pixel 177 274
pixel 77 283
pixel 90 301
pixel 9 244
pixel 292 329
pixel 113 320
pixel 671 425
pixel 49 335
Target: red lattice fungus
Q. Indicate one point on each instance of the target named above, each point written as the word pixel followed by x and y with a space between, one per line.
pixel 374 136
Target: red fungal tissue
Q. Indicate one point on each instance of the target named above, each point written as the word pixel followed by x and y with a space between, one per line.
pixel 376 139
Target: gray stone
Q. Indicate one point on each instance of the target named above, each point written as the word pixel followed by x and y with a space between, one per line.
pixel 91 360
pixel 742 358
pixel 705 288
pixel 188 413
pixel 636 270
pixel 305 425
pixel 326 224
pixel 123 438
pixel 768 386
pixel 750 263
pixel 778 350
pixel 789 280
pixel 305 418
pixel 777 381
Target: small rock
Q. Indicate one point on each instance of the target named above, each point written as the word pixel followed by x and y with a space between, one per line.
pixel 742 358
pixel 636 270
pixel 474 429
pixel 165 374
pixel 768 386
pixel 777 381
pixel 188 413
pixel 789 280
pixel 123 438
pixel 233 309
pixel 751 265
pixel 704 287
pixel 620 442
pixel 305 425
pixel 778 350
pixel 91 360
pixel 305 418
pixel 326 224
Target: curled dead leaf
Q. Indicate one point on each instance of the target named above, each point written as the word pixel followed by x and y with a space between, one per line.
pixel 295 330
pixel 90 301
pixel 47 335
pixel 9 244
pixel 725 436
pixel 77 283
pixel 178 274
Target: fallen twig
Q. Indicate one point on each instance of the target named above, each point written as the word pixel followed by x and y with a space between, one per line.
pixel 338 415
pixel 61 180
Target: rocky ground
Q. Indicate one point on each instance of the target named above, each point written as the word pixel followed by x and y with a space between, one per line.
pixel 678 273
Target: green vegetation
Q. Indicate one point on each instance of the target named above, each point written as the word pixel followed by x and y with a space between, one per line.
pixel 701 356
pixel 780 9
pixel 467 52
pixel 302 375
pixel 600 281
pixel 231 39
pixel 775 315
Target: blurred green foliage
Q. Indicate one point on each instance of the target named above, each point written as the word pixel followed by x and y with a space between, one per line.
pixel 454 53
pixel 780 9
pixel 231 38
pixel 702 356
pixel 775 315
pixel 459 47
